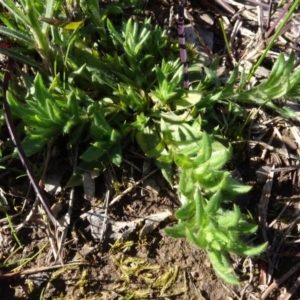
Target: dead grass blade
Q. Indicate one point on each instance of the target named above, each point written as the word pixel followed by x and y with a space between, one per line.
pixel 37 270
pixel 279 281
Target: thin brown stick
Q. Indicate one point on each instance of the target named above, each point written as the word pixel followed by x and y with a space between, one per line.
pixel 279 281
pixel 117 198
pixel 17 143
pixel 292 290
pixel 37 270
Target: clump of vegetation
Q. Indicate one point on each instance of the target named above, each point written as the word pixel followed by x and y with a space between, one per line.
pixel 105 83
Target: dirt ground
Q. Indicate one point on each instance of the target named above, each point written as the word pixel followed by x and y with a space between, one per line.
pixel 156 266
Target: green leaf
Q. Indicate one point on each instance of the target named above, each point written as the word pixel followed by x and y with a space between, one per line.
pixel 171 117
pixel 111 10
pixel 289 65
pixel 95 151
pixel 138 47
pixel 186 185
pixel 214 203
pixel 190 236
pixel 200 237
pixel 200 213
pixel 41 40
pixel 54 113
pixel 158 151
pixel 17 13
pixel 245 227
pixel 220 158
pixel 212 181
pixel 115 154
pixel 32 145
pixel 233 186
pixel 191 99
pixel 230 219
pixel 17 35
pixel 277 71
pixel 140 122
pixel 188 148
pixel 100 128
pixel 205 152
pixel 16 55
pixel 75 180
pixel 149 142
pixel 17 108
pixel 178 231
pixel 186 211
pixel 183 161
pixel 246 250
pixel 73 105
pixel 40 92
pixel 167 135
pixel 164 163
pixel 222 236
pixel 184 132
pixel 222 267
pixel 114 33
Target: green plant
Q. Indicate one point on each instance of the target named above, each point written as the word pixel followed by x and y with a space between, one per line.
pixel 203 188
pixel 109 82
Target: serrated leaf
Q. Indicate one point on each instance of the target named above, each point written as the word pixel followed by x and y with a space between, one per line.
pixel 213 181
pixel 222 236
pixel 167 135
pixel 216 245
pixel 200 237
pixel 17 35
pixel 230 219
pixel 245 227
pixel 183 161
pixel 16 12
pixel 73 105
pixel 40 92
pixel 113 32
pixel 17 108
pixel 190 236
pixel 214 203
pixel 185 186
pixel 178 231
pixel 233 186
pixel 246 250
pixel 53 113
pixel 221 266
pixel 202 170
pixel 220 158
pixel 200 214
pixel 140 44
pixel 16 55
pixel 205 151
pixel 186 211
